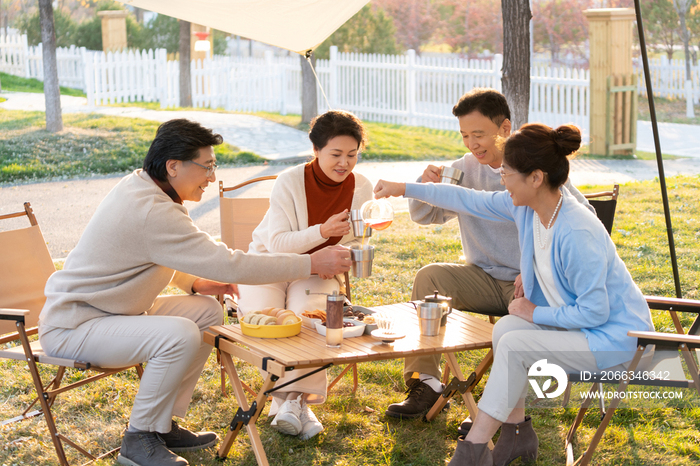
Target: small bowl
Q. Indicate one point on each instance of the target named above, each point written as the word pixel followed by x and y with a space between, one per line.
pixel 309 322
pixel 271 331
pixel 348 332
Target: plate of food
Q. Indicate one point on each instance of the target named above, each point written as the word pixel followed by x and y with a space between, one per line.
pixel 271 323
pixel 310 318
pixel 361 314
pixel 351 328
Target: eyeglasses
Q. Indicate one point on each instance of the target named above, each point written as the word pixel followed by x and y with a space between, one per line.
pixel 210 169
pixel 504 173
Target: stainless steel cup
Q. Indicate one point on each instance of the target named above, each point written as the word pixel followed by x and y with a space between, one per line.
pixel 358 226
pixel 451 175
pixel 362 257
pixel 429 316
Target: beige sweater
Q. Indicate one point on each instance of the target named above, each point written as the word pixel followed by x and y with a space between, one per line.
pixel 129 253
pixel 285 227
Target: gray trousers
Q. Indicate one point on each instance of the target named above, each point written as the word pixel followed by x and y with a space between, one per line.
pixel 517 345
pixel 470 288
pixel 168 337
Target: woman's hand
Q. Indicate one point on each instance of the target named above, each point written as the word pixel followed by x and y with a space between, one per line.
pixel 336 225
pixel 324 276
pixel 210 287
pixel 522 307
pixel 389 189
pixel 519 292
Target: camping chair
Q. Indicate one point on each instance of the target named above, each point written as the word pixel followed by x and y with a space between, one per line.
pixel 605 208
pixel 239 218
pixel 671 350
pixel 25 265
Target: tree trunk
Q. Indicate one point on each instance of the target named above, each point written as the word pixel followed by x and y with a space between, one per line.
pixel 185 77
pixel 309 99
pixel 138 13
pixel 516 58
pixel 682 7
pixel 52 93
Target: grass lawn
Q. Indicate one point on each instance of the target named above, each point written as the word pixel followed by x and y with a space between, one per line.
pixel 668 110
pixel 14 83
pixel 90 144
pixel 357 432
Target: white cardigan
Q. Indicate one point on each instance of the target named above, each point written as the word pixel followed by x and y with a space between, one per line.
pixel 285 227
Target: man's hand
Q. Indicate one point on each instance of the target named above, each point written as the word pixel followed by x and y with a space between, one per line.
pixel 331 260
pixel 431 175
pixel 336 225
pixel 210 287
pixel 522 307
pixel 519 292
pixel 389 189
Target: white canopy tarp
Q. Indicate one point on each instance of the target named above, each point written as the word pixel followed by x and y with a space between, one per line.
pixel 296 25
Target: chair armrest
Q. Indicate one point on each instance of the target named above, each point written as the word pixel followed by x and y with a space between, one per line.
pixel 673 304
pixel 17 315
pixel 652 338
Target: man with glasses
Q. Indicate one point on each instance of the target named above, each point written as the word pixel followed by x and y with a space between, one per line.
pixel 104 306
pixel 489 278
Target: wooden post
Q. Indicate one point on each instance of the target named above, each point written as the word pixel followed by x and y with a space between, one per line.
pixel 610 38
pixel 113 30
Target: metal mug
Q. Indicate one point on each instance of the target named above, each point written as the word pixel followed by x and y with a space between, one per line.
pixel 362 257
pixel 429 316
pixel 359 229
pixel 451 175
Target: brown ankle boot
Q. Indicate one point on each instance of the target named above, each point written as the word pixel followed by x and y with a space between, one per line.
pixel 471 454
pixel 516 440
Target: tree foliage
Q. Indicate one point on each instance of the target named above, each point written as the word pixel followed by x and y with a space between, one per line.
pixel 560 24
pixel 660 25
pixel 471 27
pixel 417 20
pixel 369 31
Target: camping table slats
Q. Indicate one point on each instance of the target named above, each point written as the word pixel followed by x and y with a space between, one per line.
pixel 463 332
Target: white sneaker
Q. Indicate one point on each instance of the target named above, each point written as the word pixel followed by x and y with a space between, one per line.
pixel 310 424
pixel 288 419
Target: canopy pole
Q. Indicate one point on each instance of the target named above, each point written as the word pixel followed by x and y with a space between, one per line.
pixel 657 147
pixel 307 55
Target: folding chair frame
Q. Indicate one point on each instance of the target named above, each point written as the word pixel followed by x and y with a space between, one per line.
pixel 47 393
pixel 683 343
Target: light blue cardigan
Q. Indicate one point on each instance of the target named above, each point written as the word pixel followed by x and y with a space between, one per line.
pixel 601 298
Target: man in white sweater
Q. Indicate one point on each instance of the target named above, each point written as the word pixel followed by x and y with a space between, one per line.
pixel 104 306
pixel 489 278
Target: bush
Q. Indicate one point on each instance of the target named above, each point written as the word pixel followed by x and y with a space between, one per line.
pixel 65 28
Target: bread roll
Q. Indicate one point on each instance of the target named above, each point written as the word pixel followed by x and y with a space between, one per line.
pixel 287 319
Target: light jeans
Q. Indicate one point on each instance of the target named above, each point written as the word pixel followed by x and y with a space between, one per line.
pixel 291 295
pixel 168 338
pixel 517 345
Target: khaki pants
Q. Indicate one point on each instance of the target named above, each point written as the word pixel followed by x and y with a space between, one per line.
pixel 168 337
pixel 470 288
pixel 291 295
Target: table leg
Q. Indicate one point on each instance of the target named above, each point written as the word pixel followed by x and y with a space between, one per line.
pixel 260 401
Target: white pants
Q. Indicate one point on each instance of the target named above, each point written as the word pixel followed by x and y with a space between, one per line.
pixel 517 344
pixel 168 337
pixel 291 295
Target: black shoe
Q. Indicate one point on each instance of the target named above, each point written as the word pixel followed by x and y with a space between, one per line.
pixel 418 402
pixel 181 439
pixel 465 426
pixel 147 449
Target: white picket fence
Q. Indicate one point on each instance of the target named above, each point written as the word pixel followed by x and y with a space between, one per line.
pixel 18 58
pixel 668 78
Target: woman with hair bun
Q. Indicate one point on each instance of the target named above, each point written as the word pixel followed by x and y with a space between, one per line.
pixel 578 300
pixel 309 210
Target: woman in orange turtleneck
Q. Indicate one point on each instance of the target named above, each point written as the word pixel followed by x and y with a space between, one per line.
pixel 309 208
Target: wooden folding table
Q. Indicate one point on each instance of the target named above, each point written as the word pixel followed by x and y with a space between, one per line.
pixel 463 332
